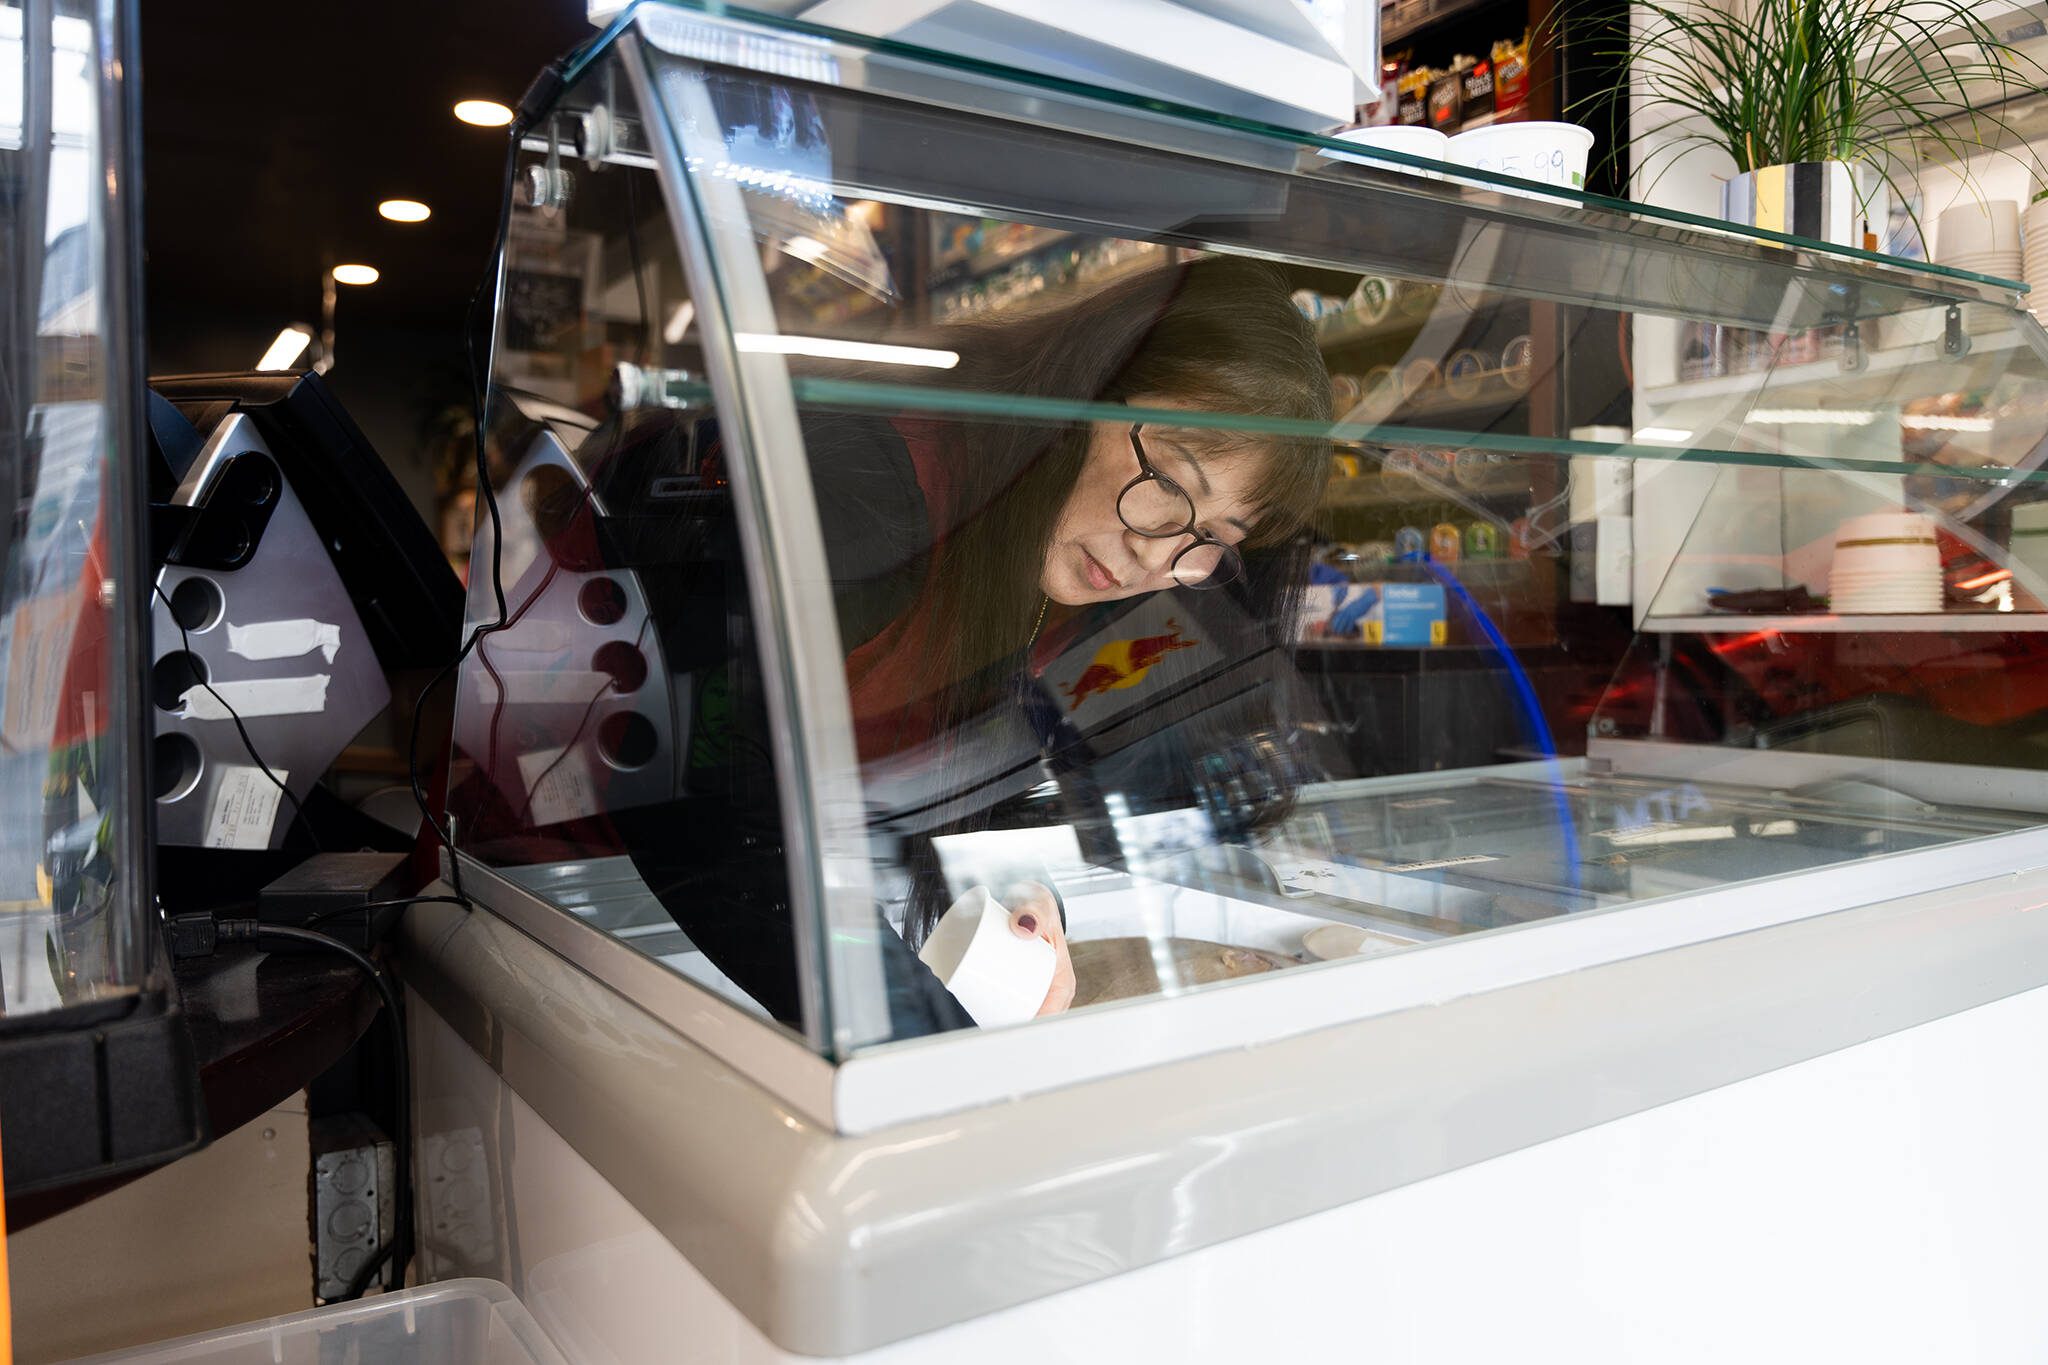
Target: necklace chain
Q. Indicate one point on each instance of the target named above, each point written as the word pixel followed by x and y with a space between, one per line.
pixel 1043 603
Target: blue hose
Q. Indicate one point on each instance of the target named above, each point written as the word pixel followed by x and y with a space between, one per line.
pixel 1526 703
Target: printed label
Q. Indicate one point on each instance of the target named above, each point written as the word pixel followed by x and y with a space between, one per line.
pixel 244 807
pixel 559 785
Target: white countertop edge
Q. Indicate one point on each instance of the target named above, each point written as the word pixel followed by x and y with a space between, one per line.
pixel 924 1078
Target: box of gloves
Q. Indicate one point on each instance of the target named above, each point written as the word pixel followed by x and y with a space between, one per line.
pixel 1401 615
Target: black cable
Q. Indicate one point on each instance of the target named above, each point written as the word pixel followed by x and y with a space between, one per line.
pixel 538 97
pixel 484 489
pixel 365 906
pixel 240 729
pixel 198 934
pixel 525 811
pixel 483 656
pixel 398 1248
pixel 361 1282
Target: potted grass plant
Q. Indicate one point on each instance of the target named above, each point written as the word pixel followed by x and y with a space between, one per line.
pixel 1826 106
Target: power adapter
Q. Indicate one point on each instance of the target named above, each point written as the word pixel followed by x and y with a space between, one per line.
pixel 333 888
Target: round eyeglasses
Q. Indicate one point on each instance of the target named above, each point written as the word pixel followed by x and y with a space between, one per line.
pixel 1157 508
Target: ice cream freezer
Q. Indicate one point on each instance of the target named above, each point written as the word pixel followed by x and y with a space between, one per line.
pixel 1716 981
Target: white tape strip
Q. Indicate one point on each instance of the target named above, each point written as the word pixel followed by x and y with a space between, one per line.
pixel 258 697
pixel 284 639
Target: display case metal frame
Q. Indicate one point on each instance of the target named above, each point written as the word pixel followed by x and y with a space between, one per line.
pixel 858 1089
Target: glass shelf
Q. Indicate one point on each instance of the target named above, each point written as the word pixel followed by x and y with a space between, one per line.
pixel 1828 624
pixel 1847 281
pixel 864 396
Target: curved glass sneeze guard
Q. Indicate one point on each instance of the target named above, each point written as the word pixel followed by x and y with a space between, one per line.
pixel 71 909
pixel 1552 592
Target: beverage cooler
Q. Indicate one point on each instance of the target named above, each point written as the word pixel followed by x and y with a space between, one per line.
pixel 1582 868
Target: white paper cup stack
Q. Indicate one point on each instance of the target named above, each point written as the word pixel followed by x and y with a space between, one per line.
pixel 2034 256
pixel 1886 562
pixel 1982 237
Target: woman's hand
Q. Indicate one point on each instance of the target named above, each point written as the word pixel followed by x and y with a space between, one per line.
pixel 1035 914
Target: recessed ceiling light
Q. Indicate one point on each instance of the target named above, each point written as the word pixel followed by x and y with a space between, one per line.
pixel 404 210
pixel 355 274
pixel 483 113
pixel 284 352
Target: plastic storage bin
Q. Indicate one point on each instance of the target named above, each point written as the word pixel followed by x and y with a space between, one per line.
pixel 456 1322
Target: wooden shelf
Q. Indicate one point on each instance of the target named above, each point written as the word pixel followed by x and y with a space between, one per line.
pixel 1495 391
pixel 1405 18
pixel 1335 331
pixel 1376 490
pixel 1348 329
pixel 1495 395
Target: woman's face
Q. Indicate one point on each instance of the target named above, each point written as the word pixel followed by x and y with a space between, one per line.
pixel 1094 557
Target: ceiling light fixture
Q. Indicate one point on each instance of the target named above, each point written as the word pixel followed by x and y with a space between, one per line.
pixel 830 348
pixel 355 274
pixel 404 210
pixel 1667 436
pixel 284 352
pixel 483 113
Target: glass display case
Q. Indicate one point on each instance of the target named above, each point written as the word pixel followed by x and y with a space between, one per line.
pixel 96 1073
pixel 1262 558
pixel 1406 664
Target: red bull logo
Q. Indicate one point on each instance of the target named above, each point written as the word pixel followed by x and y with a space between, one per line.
pixel 1123 663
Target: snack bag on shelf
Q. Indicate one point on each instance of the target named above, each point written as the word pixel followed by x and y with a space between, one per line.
pixel 1387 108
pixel 1414 106
pixel 1476 73
pixel 1510 80
pixel 1446 101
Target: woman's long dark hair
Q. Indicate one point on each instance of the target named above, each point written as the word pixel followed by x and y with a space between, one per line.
pixel 1218 334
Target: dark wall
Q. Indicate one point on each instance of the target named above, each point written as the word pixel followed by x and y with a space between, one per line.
pixel 270 133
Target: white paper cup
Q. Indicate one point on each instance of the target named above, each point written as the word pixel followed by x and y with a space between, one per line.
pixel 1972 228
pixel 1548 153
pixel 1407 139
pixel 997 976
